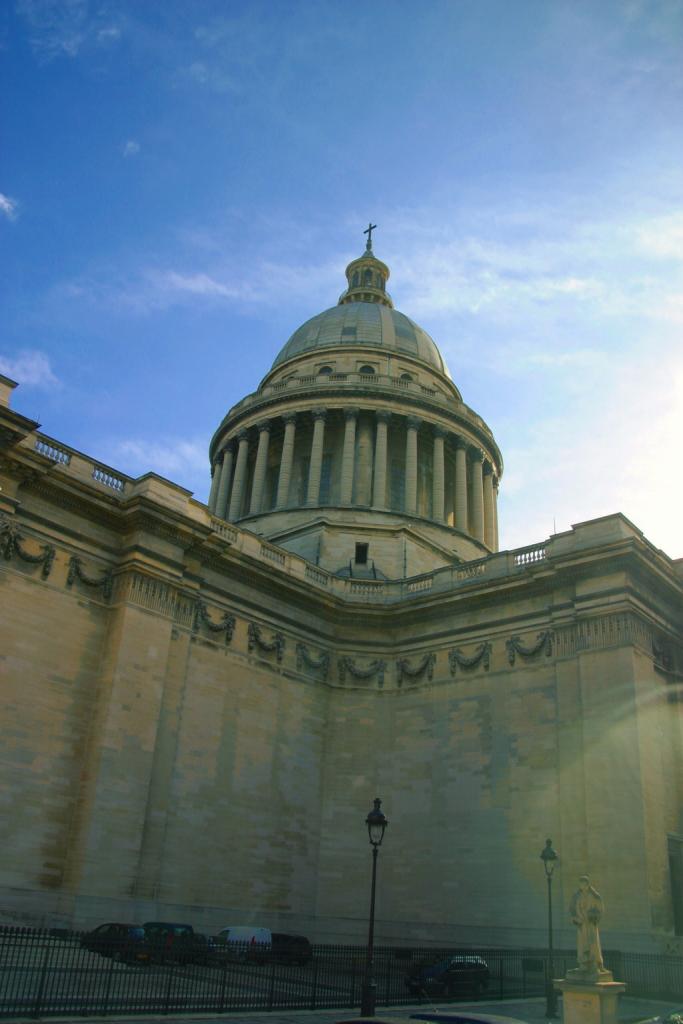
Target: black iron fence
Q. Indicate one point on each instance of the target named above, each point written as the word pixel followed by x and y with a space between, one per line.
pixel 53 972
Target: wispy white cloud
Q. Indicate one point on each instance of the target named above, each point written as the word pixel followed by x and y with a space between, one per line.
pixel 9 207
pixel 609 450
pixel 62 28
pixel 30 367
pixel 172 457
pixel 131 148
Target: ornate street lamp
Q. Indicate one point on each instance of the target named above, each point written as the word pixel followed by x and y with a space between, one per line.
pixel 376 824
pixel 550 858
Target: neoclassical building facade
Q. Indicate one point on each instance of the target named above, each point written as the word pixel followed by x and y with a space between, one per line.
pixel 200 701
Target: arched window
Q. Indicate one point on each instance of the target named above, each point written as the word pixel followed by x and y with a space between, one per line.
pixel 406 376
pixel 367 370
pixel 355 280
pixel 367 277
pixel 324 369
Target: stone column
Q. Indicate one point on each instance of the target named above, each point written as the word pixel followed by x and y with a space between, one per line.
pixel 379 487
pixel 348 456
pixel 215 482
pixel 259 480
pixel 461 509
pixel 316 463
pixel 286 460
pixel 438 476
pixel 237 495
pixel 410 502
pixel 364 455
pixel 489 531
pixel 477 494
pixel 224 488
pixel 496 541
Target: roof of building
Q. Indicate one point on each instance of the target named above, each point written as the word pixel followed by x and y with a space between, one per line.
pixel 363 323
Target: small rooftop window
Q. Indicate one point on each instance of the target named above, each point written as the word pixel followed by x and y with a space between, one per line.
pixel 367 369
pixel 325 369
pixel 361 554
pixel 406 376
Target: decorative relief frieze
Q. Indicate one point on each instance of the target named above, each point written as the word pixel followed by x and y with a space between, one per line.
pixel 76 573
pixel 482 656
pixel 147 592
pixel 305 659
pixel 602 631
pixel 346 664
pixel 544 642
pixel 256 641
pixel 470 572
pixel 405 670
pixel 226 623
pixel 12 543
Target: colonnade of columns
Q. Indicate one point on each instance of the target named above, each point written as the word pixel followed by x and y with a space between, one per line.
pixel 475 499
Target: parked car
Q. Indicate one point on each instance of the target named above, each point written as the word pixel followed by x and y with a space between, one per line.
pixel 460 973
pixel 125 942
pixel 291 949
pixel 244 942
pixel 171 942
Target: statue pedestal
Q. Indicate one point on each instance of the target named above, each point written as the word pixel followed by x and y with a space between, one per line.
pixel 590 997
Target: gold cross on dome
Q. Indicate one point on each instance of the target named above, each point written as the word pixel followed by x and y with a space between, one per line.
pixel 368 231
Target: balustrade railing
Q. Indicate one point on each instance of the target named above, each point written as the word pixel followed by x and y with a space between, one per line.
pixel 529 556
pixel 106 477
pixel 52 451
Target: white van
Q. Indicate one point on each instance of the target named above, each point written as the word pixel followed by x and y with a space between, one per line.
pixel 245 942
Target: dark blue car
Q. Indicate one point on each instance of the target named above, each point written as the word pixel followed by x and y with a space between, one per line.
pixel 460 973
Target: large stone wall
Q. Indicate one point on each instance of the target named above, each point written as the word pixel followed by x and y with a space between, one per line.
pixel 205 740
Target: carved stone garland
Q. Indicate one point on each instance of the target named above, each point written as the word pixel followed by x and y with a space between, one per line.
pixel 76 573
pixel 255 639
pixel 12 544
pixel 403 668
pixel 225 625
pixel 544 642
pixel 346 664
pixel 304 658
pixel 457 659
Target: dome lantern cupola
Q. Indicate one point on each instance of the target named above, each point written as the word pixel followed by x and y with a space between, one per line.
pixel 367 277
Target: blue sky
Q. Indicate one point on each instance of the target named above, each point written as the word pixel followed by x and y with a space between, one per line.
pixel 181 185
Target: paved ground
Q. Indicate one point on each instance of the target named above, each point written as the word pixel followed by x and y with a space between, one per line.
pixel 527 1011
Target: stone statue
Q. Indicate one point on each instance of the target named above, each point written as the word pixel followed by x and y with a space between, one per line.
pixel 585 911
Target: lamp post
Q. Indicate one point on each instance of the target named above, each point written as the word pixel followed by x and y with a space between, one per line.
pixel 550 858
pixel 376 824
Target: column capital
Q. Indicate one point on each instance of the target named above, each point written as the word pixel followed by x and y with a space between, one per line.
pixel 229 446
pixel 476 454
pixel 288 417
pixel 460 442
pixel 382 415
pixel 496 482
pixel 242 435
pixel 488 468
pixel 263 425
pixel 439 431
pixel 413 422
pixel 319 414
pixel 351 413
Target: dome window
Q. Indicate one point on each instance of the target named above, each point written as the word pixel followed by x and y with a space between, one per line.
pixel 355 281
pixel 324 370
pixel 367 277
pixel 367 370
pixel 406 376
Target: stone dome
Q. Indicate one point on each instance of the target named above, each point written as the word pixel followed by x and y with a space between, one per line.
pixel 366 324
